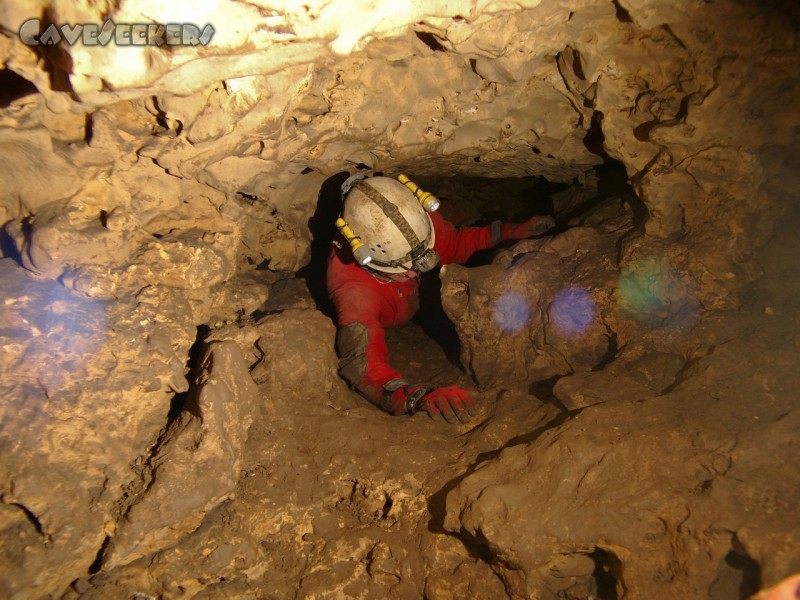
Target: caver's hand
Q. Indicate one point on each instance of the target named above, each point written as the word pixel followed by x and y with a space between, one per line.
pixel 534 226
pixel 451 403
pixel 403 400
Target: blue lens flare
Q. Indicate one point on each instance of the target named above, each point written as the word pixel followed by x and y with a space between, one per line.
pixel 511 312
pixel 572 311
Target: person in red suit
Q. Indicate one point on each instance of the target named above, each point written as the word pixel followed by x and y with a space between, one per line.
pixel 390 233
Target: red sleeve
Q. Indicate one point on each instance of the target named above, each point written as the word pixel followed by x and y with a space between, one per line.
pixel 360 299
pixel 456 245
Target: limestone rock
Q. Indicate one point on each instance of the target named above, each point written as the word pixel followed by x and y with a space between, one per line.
pixel 197 462
pixel 519 323
pixel 32 172
pixel 86 387
pixel 290 349
pixel 552 510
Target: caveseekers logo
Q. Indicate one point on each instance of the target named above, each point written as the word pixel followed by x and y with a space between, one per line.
pixel 122 34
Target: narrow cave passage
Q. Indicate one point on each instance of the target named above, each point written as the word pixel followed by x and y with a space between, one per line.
pixel 173 423
pixel 603 197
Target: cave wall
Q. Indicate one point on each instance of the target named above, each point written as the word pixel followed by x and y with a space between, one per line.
pixel 143 187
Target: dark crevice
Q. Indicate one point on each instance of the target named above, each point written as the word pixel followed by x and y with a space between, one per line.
pixel 13 87
pixel 246 198
pixel 543 390
pixel 430 41
pixel 180 401
pixel 27 227
pixel 612 351
pixel 434 320
pixel 642 132
pixel 473 64
pixel 34 520
pixel 577 68
pixel 387 507
pixel 671 33
pixel 322 227
pixel 607 574
pixel 748 571
pixel 683 108
pixel 98 560
pixel 623 16
pixel 594 139
pixel 56 60
pixel 88 129
pixel 612 176
pixel 146 464
pixel 161 116
pixel 477 546
pixel 8 248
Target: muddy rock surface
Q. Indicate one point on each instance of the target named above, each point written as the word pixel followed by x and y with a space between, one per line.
pixel 172 424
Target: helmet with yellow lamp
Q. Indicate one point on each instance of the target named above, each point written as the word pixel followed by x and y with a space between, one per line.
pixel 385 221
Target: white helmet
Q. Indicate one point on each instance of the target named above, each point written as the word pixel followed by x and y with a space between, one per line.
pixel 388 217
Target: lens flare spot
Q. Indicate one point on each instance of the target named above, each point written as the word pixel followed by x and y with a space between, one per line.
pixel 654 295
pixel 643 287
pixel 572 311
pixel 511 312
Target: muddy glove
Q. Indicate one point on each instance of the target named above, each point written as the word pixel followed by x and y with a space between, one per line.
pixel 452 402
pixel 534 226
pixel 399 398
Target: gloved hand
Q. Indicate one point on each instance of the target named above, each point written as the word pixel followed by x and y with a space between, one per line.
pixel 536 225
pixel 404 400
pixel 452 402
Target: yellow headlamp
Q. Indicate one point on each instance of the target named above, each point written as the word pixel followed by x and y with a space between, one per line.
pixel 429 201
pixel 360 251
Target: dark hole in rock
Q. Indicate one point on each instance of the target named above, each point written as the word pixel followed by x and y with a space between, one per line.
pixel 738 577
pixel 430 41
pixel 387 507
pixel 263 265
pixel 8 247
pixel 323 228
pixel 607 574
pixel 611 352
pixel 623 15
pixel 179 401
pixel 98 561
pixel 13 87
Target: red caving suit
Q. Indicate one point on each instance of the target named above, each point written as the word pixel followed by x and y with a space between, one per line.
pixel 365 305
